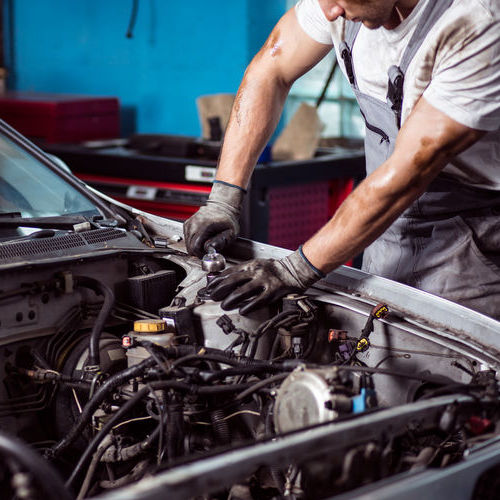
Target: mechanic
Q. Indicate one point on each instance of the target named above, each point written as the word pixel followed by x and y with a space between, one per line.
pixel 426 75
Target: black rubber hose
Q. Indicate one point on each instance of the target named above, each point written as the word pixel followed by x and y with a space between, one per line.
pixel 259 385
pixel 162 384
pixel 175 431
pixel 311 342
pixel 93 445
pixel 109 300
pixel 205 357
pixel 124 454
pixel 89 409
pixel 46 477
pixel 244 370
pixel 133 371
pixel 220 426
pixel 219 357
pixel 197 352
pixel 274 323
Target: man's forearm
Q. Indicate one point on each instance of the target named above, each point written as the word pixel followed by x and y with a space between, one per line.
pixel 255 114
pixel 362 218
pixel 425 144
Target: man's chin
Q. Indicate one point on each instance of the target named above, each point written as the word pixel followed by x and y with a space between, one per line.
pixel 371 25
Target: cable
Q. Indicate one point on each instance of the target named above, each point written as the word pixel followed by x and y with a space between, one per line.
pixel 274 323
pixel 92 467
pixel 133 19
pixel 150 347
pixel 46 477
pixel 382 371
pixel 131 421
pixel 259 385
pixel 245 370
pixel 94 443
pixel 97 399
pixel 161 422
pixel 218 358
pixel 162 384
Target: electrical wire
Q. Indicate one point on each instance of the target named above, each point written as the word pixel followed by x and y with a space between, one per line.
pixel 133 19
pixel 161 422
pixel 162 384
pixel 77 401
pixel 111 384
pixel 130 421
pixel 235 414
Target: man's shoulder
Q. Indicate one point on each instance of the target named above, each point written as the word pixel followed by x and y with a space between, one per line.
pixel 477 11
pixel 490 8
pixel 466 23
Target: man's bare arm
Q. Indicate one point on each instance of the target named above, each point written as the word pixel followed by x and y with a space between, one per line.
pixel 428 140
pixel 287 54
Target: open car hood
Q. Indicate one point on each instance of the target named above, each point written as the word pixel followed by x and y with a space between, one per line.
pixel 121 378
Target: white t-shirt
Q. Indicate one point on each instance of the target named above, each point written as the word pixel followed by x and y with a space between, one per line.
pixel 456 69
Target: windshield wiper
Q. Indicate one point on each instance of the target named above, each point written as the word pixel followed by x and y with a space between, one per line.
pixel 13 220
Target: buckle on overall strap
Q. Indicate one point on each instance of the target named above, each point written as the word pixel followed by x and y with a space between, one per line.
pixel 345 53
pixel 395 92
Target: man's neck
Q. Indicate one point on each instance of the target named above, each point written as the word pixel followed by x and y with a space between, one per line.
pixel 402 9
pixel 405 7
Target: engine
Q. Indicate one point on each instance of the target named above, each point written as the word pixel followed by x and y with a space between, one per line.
pixel 115 368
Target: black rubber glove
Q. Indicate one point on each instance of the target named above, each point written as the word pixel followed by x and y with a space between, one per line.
pixel 261 281
pixel 217 223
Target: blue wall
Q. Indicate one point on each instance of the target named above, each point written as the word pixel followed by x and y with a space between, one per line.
pixel 180 49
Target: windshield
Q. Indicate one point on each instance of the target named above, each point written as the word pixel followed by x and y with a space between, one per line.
pixel 30 188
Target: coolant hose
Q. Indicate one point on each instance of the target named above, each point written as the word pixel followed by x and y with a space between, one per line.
pixel 109 300
pixel 92 405
pixel 162 384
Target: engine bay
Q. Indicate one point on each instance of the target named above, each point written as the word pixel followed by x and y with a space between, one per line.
pixel 116 367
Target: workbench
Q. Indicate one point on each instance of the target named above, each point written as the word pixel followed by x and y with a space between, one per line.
pixel 286 203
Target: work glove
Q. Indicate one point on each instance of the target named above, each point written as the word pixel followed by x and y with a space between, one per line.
pixel 217 223
pixel 258 282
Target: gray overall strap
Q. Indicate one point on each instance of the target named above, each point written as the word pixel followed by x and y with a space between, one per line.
pixel 429 17
pixel 345 49
pixel 351 32
pixel 432 12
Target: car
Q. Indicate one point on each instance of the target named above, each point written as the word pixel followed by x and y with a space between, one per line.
pixel 122 379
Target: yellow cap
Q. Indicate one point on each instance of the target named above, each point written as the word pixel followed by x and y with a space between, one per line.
pixel 149 325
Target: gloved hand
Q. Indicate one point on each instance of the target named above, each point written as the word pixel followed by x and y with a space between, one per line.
pixel 217 223
pixel 262 281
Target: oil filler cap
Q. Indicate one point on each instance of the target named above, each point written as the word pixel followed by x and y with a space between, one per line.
pixel 149 325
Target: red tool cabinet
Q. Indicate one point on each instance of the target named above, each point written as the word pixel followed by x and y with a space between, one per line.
pixel 287 202
pixel 56 118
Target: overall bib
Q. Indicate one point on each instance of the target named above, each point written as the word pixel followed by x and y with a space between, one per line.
pixel 448 241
